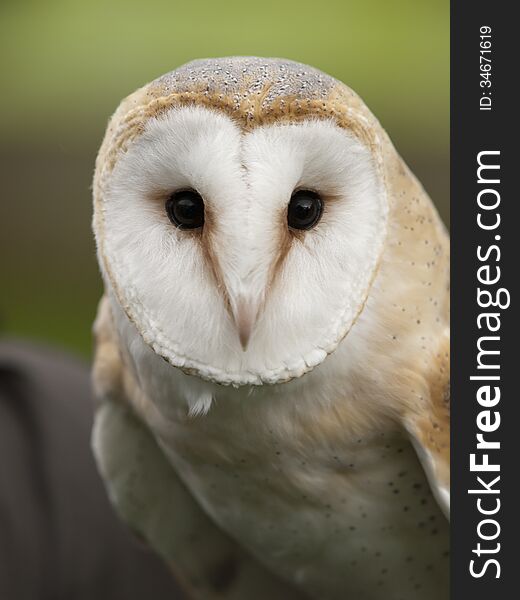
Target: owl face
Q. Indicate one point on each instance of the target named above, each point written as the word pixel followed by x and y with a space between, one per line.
pixel 242 256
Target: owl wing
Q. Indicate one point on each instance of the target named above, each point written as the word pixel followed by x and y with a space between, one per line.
pixel 150 497
pixel 429 429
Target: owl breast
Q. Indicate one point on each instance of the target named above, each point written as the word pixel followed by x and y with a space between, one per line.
pixel 339 519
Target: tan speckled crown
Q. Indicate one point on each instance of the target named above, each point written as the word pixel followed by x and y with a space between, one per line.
pixel 253 91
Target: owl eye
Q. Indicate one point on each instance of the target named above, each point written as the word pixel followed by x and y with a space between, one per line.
pixel 304 209
pixel 185 209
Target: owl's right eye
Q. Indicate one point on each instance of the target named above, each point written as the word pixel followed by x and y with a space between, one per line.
pixel 185 209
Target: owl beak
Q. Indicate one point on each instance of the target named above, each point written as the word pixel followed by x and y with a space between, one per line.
pixel 244 312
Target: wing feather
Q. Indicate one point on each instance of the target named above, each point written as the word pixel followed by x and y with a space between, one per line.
pixel 429 429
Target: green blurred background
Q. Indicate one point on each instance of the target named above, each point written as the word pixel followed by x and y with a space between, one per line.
pixel 65 64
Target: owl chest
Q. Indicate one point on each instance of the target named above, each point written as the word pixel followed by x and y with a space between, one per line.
pixel 316 512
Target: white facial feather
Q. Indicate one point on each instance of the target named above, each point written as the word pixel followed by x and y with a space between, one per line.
pixel 162 275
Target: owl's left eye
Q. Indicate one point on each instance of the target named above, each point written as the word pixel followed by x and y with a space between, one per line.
pixel 185 209
pixel 304 210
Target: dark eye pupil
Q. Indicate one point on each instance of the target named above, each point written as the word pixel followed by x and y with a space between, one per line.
pixel 185 209
pixel 304 209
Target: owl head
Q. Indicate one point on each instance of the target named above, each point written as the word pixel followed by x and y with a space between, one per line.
pixel 240 213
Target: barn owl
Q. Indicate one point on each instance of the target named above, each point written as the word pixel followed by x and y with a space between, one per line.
pixel 271 355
